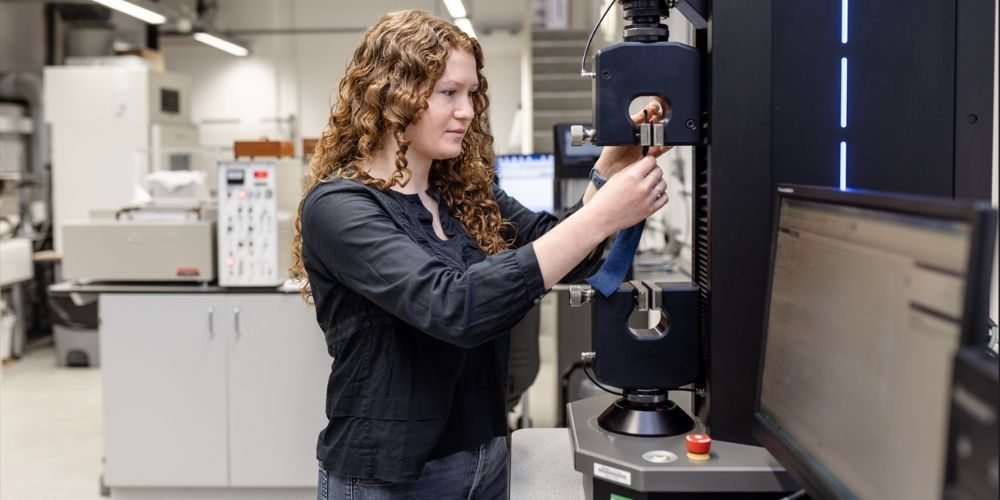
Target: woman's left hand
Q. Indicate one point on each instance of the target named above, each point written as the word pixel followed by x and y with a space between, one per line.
pixel 615 158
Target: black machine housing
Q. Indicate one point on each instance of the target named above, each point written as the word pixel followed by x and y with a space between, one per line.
pixel 646 64
pixel 621 75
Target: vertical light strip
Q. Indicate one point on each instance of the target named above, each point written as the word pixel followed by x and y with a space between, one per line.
pixel 843 92
pixel 843 21
pixel 843 165
pixel 843 95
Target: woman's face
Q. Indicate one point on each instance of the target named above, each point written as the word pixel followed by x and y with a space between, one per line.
pixel 438 133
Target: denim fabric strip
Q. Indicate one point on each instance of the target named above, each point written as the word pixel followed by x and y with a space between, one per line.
pixel 612 273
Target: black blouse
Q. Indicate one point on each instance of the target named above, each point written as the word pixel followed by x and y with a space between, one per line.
pixel 418 327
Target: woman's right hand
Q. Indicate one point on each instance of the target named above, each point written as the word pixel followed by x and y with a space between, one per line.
pixel 631 196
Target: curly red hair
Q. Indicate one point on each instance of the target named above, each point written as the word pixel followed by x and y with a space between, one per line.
pixel 385 89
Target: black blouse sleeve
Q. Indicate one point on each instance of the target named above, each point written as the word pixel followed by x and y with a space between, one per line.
pixel 529 226
pixel 350 235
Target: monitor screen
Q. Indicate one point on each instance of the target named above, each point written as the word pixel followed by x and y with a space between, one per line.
pixel 865 317
pixel 529 179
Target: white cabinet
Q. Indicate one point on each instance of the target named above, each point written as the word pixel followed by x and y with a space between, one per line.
pixel 278 368
pixel 211 390
pixel 163 373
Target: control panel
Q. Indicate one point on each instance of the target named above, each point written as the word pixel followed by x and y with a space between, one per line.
pixel 248 225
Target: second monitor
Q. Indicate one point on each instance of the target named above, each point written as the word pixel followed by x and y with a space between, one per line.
pixel 870 298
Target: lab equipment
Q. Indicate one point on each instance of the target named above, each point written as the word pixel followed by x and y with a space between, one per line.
pixel 675 77
pixel 248 225
pixel 141 244
pixel 112 124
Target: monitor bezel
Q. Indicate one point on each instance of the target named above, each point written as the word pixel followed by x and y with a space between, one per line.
pixel 982 218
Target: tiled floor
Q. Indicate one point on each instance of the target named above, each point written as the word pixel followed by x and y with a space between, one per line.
pixel 50 430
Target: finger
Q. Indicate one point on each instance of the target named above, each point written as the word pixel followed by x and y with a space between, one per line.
pixel 654 110
pixel 658 151
pixel 661 201
pixel 644 166
pixel 651 180
pixel 655 174
pixel 639 118
pixel 664 105
pixel 659 189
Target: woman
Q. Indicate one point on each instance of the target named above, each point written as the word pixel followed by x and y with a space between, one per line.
pixel 419 265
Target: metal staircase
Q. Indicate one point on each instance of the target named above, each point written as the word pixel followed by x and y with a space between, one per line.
pixel 560 94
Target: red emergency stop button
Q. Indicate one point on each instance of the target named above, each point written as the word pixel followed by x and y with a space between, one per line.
pixel 698 446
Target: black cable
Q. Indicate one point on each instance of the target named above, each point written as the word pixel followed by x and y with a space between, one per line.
pixel 583 61
pixel 598 384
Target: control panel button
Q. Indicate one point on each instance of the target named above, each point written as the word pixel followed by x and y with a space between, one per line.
pixel 698 446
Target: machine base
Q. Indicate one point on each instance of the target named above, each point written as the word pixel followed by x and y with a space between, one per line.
pixel 654 420
pixel 637 467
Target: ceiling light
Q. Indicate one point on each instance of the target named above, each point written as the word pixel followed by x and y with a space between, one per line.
pixel 221 44
pixel 455 8
pixel 466 25
pixel 134 10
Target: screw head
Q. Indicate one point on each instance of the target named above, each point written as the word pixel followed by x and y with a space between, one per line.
pixel 690 124
pixel 606 74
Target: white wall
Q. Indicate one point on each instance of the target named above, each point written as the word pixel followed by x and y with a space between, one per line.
pixel 297 74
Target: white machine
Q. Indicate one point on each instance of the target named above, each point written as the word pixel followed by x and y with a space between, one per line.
pixel 111 125
pixel 248 225
pixel 141 244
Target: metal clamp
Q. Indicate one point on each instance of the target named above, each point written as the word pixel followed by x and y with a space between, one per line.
pixel 648 296
pixel 651 134
pixel 578 295
pixel 579 135
pixel 641 295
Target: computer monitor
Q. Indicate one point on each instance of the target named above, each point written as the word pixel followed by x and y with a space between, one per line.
pixel 870 297
pixel 529 179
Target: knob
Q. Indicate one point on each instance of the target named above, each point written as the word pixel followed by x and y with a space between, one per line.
pixel 579 135
pixel 698 446
pixel 579 295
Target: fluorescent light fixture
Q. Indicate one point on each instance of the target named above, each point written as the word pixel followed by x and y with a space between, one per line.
pixel 843 21
pixel 843 92
pixel 223 45
pixel 457 9
pixel 466 25
pixel 843 165
pixel 134 10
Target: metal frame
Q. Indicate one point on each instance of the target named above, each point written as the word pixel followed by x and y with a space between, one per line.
pixel 732 176
pixel 975 56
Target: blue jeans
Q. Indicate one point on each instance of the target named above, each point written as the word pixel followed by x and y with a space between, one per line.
pixel 479 473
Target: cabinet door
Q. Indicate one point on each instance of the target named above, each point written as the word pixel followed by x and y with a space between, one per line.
pixel 163 370
pixel 278 367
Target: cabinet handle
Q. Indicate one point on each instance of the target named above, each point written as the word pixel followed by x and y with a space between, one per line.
pixel 236 321
pixel 211 321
